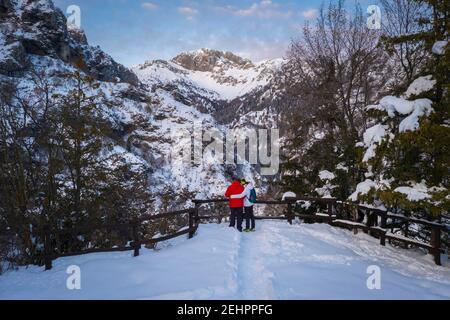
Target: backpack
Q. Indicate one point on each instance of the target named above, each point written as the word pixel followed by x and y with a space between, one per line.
pixel 252 198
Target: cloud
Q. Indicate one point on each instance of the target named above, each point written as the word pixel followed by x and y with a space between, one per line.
pixel 310 13
pixel 262 9
pixel 258 50
pixel 189 12
pixel 149 6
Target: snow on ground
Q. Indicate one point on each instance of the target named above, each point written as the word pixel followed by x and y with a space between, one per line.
pixel 279 261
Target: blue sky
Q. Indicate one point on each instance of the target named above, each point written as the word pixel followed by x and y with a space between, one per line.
pixel 133 31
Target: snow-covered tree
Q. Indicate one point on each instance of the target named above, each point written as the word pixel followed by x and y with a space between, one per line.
pixel 337 68
pixel 407 150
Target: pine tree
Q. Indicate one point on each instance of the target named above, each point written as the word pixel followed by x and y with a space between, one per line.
pixel 420 156
pixel 81 138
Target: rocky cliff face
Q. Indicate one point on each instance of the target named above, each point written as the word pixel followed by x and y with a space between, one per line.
pixel 208 60
pixel 37 27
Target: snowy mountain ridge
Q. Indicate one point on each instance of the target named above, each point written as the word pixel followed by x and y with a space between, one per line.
pixel 220 75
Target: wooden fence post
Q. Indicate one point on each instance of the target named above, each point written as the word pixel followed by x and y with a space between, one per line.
pixel 136 240
pixel 330 211
pixel 447 239
pixel 47 248
pixel 436 244
pixel 372 218
pixel 406 232
pixel 367 215
pixel 289 213
pixel 354 211
pixel 196 212
pixel 383 237
pixel 383 220
pixel 192 216
pixel 383 226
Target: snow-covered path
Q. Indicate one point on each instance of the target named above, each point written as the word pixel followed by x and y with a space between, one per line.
pixel 279 261
pixel 254 280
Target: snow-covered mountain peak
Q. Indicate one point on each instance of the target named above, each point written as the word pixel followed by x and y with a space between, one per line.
pixel 217 74
pixel 209 60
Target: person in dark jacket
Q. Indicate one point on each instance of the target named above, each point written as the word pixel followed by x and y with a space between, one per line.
pixel 236 205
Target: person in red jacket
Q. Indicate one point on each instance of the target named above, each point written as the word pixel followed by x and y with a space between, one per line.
pixel 236 205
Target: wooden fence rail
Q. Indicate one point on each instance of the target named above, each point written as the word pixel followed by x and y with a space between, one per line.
pixel 337 213
pixel 372 226
pixel 133 226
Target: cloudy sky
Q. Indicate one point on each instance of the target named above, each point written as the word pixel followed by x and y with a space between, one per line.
pixel 133 31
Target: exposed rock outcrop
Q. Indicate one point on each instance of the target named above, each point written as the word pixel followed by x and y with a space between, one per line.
pixel 77 34
pixel 208 60
pixel 37 27
pixel 13 57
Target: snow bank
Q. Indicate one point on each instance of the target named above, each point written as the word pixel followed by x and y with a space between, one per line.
pixel 279 261
pixel 201 268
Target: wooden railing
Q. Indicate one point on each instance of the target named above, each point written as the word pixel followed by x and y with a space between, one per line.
pixel 345 215
pixel 133 226
pixel 338 214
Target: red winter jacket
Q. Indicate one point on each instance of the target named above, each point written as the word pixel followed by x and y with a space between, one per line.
pixel 235 189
